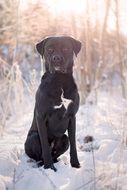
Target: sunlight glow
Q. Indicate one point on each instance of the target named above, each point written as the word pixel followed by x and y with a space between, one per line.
pixel 92 10
pixel 67 6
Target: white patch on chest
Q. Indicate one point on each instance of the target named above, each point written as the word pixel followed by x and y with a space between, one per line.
pixel 58 106
pixel 65 102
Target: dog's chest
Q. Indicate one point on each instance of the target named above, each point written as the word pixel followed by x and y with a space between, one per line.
pixel 58 91
pixel 63 101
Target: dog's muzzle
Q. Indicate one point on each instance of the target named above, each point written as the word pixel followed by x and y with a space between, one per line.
pixel 58 63
pixel 57 59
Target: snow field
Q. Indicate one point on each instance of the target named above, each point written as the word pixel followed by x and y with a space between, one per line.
pixel 103 162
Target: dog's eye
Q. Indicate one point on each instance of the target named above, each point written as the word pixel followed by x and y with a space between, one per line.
pixel 50 50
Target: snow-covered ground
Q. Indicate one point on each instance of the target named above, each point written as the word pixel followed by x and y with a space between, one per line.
pixel 103 162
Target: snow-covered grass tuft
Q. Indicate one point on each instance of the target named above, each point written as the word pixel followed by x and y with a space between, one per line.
pixel 15 93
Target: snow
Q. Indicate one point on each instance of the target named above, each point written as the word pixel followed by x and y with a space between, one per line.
pixel 103 161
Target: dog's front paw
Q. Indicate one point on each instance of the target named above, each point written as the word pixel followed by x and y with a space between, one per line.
pixel 75 163
pixel 40 163
pixel 50 167
pixel 53 168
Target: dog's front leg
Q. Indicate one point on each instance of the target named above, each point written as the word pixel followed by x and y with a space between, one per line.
pixel 46 153
pixel 73 152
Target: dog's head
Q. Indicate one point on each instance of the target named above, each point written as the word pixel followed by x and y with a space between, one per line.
pixel 58 53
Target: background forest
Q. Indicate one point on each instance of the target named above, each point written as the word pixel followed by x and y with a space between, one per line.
pixel 100 26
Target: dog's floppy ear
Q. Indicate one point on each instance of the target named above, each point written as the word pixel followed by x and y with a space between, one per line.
pixel 76 46
pixel 40 47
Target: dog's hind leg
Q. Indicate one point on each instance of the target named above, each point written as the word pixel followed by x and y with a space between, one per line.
pixel 33 146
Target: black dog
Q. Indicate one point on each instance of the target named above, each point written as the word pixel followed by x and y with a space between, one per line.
pixel 57 101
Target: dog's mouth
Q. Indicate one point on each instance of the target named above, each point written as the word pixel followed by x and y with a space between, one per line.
pixel 59 69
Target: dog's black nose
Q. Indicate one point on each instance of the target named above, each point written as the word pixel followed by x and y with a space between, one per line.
pixel 57 58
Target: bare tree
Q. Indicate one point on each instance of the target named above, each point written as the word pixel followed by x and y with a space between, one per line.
pixel 120 48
